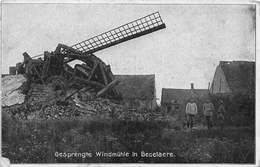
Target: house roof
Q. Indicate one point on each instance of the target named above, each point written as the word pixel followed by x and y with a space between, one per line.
pixel 240 75
pixel 182 95
pixel 136 86
pixel 4 75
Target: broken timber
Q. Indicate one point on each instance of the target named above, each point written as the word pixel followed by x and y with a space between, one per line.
pixel 108 87
pixel 54 69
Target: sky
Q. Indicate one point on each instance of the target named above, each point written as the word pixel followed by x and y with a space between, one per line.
pixel 187 51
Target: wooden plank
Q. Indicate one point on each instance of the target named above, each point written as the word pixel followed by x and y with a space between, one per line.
pixel 93 70
pixel 110 76
pixel 108 87
pixel 38 74
pixel 103 73
pixel 81 89
pixel 92 83
pixel 82 69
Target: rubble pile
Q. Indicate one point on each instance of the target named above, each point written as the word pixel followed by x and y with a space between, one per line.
pixel 106 108
pixel 41 95
pixel 51 76
pixel 41 102
pixel 53 112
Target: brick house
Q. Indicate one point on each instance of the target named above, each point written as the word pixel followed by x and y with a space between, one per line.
pixel 173 101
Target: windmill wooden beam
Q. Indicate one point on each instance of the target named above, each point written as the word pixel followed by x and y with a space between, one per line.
pixel 93 72
pixel 134 29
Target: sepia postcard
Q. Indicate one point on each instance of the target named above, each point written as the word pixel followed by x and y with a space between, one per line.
pixel 129 83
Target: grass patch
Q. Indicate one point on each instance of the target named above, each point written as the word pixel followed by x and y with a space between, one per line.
pixel 38 141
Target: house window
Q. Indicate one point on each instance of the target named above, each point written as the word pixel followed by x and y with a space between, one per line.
pixel 169 108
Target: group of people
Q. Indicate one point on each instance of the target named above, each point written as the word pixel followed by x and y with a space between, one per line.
pixel 208 109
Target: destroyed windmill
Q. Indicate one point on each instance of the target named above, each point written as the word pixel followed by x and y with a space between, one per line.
pixel 93 75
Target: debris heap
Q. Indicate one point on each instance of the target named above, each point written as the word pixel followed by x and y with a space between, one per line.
pixel 41 95
pixel 51 77
pixel 41 102
pixel 99 108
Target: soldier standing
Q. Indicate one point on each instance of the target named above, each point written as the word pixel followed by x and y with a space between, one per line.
pixel 191 111
pixel 221 113
pixel 208 109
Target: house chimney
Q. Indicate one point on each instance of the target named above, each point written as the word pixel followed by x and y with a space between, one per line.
pixel 12 70
pixel 192 87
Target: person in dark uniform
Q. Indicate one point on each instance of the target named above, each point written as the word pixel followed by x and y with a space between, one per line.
pixel 208 109
pixel 221 114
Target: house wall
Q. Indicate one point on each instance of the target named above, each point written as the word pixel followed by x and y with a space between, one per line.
pixel 173 109
pixel 182 107
pixel 141 104
pixel 219 83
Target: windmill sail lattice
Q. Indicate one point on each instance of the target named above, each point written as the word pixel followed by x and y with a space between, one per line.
pixel 134 29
